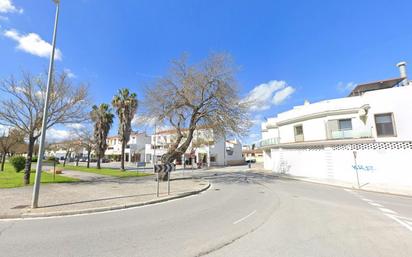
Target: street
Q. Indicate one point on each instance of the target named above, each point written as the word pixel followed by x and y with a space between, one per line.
pixel 242 214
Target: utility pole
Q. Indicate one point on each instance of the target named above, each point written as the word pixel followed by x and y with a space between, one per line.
pixel 36 187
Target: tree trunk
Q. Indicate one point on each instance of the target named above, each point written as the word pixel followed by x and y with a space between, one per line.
pixel 88 158
pixel 122 156
pixel 173 154
pixel 77 160
pixel 3 161
pixel 27 168
pixel 65 158
pixel 98 162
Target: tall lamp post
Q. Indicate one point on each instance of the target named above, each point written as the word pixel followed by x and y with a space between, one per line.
pixel 36 187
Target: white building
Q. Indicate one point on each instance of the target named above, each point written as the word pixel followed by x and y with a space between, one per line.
pixel 369 133
pixel 135 148
pixel 205 148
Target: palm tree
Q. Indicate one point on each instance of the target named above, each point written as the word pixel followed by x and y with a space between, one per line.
pixel 125 104
pixel 102 117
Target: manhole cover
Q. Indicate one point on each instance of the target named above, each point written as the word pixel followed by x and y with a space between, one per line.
pixel 20 207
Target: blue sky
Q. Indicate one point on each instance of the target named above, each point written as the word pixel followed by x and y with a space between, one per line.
pixel 308 49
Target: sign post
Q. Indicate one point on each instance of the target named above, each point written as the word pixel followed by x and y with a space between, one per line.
pixel 356 168
pixel 168 183
pixel 167 168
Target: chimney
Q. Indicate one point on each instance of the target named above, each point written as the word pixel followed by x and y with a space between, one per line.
pixel 402 69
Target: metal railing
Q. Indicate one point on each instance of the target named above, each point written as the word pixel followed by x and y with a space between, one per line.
pixel 344 134
pixel 268 142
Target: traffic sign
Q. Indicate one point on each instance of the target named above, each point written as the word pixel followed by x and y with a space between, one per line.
pixel 168 167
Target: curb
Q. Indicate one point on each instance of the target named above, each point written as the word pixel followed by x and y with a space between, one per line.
pixel 342 186
pixel 103 209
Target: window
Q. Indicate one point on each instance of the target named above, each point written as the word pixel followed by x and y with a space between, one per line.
pixel 299 133
pixel 212 158
pixel 299 130
pixel 384 125
pixel 345 124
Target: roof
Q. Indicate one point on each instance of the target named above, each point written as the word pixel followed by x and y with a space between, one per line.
pixel 258 151
pixel 131 134
pixel 377 85
pixel 174 131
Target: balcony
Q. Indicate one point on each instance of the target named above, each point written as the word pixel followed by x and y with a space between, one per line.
pixel 348 134
pixel 268 142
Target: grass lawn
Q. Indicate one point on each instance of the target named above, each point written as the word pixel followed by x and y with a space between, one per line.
pixel 106 171
pixel 9 178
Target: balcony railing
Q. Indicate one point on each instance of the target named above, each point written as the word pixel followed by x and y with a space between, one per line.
pixel 347 134
pixel 268 142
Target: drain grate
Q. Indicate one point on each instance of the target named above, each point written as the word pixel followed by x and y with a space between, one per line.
pixel 20 207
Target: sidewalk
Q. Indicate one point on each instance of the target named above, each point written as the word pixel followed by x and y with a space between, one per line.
pixel 372 188
pixel 95 193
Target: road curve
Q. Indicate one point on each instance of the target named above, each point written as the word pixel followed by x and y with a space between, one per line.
pixel 243 214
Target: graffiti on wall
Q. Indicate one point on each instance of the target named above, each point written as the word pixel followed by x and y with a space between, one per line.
pixel 361 167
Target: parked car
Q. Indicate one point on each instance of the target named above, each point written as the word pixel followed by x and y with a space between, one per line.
pixel 105 160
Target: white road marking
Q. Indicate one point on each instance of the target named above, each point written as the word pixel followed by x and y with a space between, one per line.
pixel 366 200
pixel 242 219
pixel 375 204
pixel 397 219
pixel 405 222
pixel 387 210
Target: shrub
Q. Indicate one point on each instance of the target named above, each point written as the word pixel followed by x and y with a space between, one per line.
pixel 18 163
pixel 34 159
pixel 52 159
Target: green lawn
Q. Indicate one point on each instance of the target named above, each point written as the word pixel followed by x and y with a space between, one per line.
pixel 106 171
pixel 9 178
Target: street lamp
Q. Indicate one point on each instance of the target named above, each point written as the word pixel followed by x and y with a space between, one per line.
pixel 36 187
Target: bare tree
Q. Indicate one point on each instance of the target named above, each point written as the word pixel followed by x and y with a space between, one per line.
pixel 102 117
pixel 86 139
pixel 8 140
pixel 23 106
pixel 125 104
pixel 199 95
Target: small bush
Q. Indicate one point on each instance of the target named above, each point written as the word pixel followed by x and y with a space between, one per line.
pixel 18 163
pixel 52 159
pixel 34 159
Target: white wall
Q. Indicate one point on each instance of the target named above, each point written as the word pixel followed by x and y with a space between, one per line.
pixel 383 168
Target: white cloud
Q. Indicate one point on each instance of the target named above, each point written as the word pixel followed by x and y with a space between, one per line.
pixel 346 87
pixel 7 6
pixel 57 135
pixel 143 121
pixel 263 96
pixel 282 95
pixel 32 43
pixel 257 120
pixel 75 126
pixel 69 73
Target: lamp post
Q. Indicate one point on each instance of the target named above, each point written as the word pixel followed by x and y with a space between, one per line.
pixel 36 187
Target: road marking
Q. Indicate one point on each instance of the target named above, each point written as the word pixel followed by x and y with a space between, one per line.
pixel 366 200
pixel 242 219
pixel 405 222
pixel 397 219
pixel 375 204
pixel 387 210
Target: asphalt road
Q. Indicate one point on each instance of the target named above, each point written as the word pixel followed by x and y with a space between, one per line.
pixel 243 214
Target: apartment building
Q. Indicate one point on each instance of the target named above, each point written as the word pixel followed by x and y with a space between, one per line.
pixel 135 148
pixel 205 148
pixel 368 132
